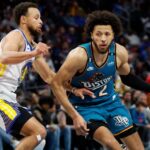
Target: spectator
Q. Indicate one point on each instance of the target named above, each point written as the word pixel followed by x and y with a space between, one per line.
pixel 140 119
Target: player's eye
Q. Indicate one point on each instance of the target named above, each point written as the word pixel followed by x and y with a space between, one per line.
pixel 107 33
pixel 99 34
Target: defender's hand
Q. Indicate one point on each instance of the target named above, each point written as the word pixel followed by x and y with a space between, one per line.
pixel 80 126
pixel 81 92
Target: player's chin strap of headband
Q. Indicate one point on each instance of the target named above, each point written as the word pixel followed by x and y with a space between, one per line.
pixel 135 82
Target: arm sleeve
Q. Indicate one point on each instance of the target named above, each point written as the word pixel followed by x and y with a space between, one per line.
pixel 135 82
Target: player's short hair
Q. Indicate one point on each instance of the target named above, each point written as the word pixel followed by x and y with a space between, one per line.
pixel 21 10
pixel 103 18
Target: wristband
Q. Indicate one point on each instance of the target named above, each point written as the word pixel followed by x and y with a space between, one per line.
pixel 73 90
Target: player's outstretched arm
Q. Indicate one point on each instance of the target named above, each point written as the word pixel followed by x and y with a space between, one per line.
pixel 12 49
pixel 72 64
pixel 42 68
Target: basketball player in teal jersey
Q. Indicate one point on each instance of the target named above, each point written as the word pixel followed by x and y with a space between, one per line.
pixel 18 51
pixel 94 65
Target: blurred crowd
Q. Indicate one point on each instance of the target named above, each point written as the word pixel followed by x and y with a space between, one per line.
pixel 63 30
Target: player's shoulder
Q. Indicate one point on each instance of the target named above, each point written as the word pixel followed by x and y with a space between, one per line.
pixel 78 53
pixel 77 58
pixel 120 49
pixel 121 53
pixel 13 38
pixel 14 35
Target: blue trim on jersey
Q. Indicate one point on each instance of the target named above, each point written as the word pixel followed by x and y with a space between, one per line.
pixel 28 64
pixel 98 79
pixel 28 43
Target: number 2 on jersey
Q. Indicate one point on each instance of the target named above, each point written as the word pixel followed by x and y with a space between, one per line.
pixel 2 69
pixel 102 91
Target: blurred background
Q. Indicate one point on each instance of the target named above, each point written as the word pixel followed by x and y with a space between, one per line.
pixel 63 30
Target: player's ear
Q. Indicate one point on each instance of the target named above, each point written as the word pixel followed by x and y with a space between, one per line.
pixel 23 19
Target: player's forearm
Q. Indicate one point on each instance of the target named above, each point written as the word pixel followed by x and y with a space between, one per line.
pixel 135 82
pixel 15 57
pixel 61 96
pixel 47 78
pixel 42 68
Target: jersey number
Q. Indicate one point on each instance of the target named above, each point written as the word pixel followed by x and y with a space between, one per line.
pixel 2 69
pixel 102 91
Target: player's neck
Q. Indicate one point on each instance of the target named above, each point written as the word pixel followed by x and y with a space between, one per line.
pixel 99 57
pixel 97 53
pixel 27 34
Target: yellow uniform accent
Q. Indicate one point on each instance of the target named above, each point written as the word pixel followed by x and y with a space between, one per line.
pixel 23 74
pixel 2 69
pixel 7 109
pixel 123 130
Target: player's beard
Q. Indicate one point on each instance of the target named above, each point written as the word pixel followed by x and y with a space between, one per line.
pixel 98 49
pixel 33 32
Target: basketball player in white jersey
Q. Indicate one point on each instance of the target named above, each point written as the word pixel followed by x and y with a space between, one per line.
pixel 17 52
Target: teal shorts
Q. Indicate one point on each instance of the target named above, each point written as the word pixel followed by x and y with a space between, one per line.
pixel 115 115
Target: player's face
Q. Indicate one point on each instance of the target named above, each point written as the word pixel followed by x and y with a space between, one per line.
pixel 34 22
pixel 102 37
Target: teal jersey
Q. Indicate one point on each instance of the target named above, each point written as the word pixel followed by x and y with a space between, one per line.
pixel 98 79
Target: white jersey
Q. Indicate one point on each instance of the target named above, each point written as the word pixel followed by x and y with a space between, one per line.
pixel 12 75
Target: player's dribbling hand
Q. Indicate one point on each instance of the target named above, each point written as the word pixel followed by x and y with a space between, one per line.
pixel 82 91
pixel 80 126
pixel 41 48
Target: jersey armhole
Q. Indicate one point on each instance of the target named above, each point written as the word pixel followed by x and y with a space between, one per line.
pixel 115 58
pixel 80 73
